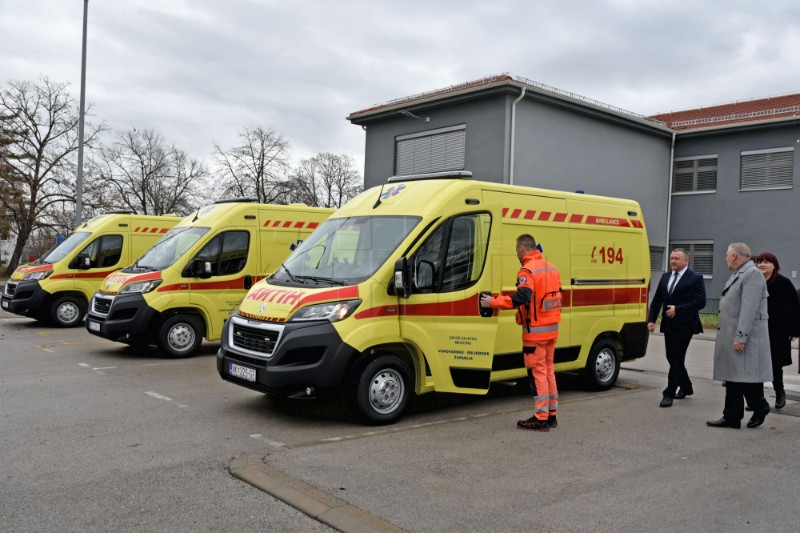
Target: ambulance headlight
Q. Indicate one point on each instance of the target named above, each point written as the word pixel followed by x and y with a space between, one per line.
pixel 141 287
pixel 42 274
pixel 332 311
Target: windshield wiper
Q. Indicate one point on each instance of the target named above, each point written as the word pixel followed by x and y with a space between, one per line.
pixel 321 279
pixel 292 277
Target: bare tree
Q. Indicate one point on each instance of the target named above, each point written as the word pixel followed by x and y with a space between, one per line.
pixel 38 178
pixel 256 168
pixel 325 180
pixel 140 172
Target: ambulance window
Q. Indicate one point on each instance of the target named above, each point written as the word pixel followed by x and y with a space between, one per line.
pixel 452 258
pixel 227 252
pixel 105 251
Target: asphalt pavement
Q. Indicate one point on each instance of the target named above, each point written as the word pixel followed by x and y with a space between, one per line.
pixel 617 462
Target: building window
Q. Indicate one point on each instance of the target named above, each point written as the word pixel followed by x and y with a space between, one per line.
pixel 430 151
pixel 695 174
pixel 767 169
pixel 656 257
pixel 701 255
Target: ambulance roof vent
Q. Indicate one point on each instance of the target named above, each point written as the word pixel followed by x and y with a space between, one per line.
pixel 231 200
pixel 119 212
pixel 454 174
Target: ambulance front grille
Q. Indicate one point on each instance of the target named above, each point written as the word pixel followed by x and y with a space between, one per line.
pixel 254 339
pixel 10 287
pixel 101 305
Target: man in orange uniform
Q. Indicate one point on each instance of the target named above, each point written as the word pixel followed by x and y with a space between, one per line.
pixel 538 304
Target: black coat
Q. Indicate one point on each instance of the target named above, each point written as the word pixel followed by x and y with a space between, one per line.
pixel 783 307
pixel 688 297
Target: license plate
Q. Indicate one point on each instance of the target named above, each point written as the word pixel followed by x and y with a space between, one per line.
pixel 94 326
pixel 242 372
pixel 5 304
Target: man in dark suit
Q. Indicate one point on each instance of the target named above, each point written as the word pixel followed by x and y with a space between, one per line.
pixel 681 294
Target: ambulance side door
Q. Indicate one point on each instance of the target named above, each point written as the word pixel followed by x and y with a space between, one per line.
pixel 220 294
pixel 442 315
pixel 105 254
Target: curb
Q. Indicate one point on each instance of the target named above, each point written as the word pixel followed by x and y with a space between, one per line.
pixel 338 514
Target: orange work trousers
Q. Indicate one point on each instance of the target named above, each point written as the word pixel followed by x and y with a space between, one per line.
pixel 539 362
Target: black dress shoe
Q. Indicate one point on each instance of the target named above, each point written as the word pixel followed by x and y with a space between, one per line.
pixel 723 423
pixel 666 401
pixel 780 400
pixel 757 419
pixel 681 394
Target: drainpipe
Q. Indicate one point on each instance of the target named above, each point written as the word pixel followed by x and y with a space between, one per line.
pixel 513 137
pixel 669 201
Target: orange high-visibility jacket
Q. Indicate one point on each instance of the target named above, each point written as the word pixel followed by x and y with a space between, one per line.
pixel 538 298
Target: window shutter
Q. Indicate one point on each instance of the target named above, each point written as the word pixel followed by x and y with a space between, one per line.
pixel 436 152
pixel 767 169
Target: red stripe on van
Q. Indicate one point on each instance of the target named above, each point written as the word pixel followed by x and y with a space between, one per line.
pixel 345 293
pixel 560 217
pixel 516 213
pixel 287 224
pixel 312 225
pixel 299 224
pixel 636 223
pixel 529 214
pixel 85 275
pixel 576 219
pixel 544 215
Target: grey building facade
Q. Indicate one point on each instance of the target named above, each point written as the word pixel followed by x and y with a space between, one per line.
pixel 687 175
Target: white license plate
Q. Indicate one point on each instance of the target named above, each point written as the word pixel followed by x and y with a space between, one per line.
pixel 242 372
pixel 94 326
pixel 5 304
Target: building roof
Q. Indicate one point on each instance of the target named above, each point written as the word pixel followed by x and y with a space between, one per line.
pixel 775 108
pixel 499 81
pixel 737 113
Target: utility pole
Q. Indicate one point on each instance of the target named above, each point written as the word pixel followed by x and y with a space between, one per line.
pixel 79 184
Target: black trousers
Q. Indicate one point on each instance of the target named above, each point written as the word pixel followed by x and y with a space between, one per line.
pixel 676 346
pixel 735 395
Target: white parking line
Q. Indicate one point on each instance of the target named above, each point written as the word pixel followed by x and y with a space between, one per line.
pixel 162 397
pixel 98 369
pixel 262 438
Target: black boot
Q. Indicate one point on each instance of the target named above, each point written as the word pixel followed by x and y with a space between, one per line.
pixel 780 399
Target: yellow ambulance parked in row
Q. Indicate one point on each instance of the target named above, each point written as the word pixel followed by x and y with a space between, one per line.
pixel 57 287
pixel 188 284
pixel 382 301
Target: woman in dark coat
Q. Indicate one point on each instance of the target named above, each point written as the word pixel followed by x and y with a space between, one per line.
pixel 783 307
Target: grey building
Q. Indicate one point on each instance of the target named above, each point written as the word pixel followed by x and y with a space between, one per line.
pixel 704 178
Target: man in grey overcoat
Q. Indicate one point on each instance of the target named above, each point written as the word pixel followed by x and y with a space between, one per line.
pixel 741 352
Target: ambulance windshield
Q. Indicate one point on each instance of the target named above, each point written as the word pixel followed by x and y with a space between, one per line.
pixel 168 250
pixel 67 245
pixel 344 251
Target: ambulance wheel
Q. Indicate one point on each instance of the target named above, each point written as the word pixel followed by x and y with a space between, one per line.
pixel 180 335
pixel 67 311
pixel 382 389
pixel 603 365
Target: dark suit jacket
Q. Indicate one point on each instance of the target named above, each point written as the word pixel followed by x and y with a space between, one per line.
pixel 688 297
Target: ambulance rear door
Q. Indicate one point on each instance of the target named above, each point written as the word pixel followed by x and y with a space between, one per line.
pixel 441 316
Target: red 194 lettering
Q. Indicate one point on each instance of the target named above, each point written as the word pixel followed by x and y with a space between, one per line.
pixel 609 254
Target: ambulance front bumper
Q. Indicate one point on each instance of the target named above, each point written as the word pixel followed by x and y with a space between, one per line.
pixel 297 360
pixel 25 298
pixel 120 318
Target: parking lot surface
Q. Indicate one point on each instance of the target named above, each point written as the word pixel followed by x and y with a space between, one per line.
pixel 96 436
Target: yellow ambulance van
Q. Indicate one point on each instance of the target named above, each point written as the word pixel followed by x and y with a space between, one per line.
pixel 382 301
pixel 185 286
pixel 57 287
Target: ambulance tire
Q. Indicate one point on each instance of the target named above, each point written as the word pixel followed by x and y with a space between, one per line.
pixel 381 389
pixel 602 367
pixel 68 311
pixel 180 335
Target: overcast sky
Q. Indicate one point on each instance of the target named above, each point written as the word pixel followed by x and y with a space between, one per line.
pixel 198 71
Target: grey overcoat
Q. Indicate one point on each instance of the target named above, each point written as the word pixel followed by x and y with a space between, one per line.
pixel 743 318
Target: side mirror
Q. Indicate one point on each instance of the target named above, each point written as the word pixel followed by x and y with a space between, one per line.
pixel 201 267
pixel 81 262
pixel 425 273
pixel 248 282
pixel 402 278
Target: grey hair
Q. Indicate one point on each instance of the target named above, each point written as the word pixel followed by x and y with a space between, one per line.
pixel 741 249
